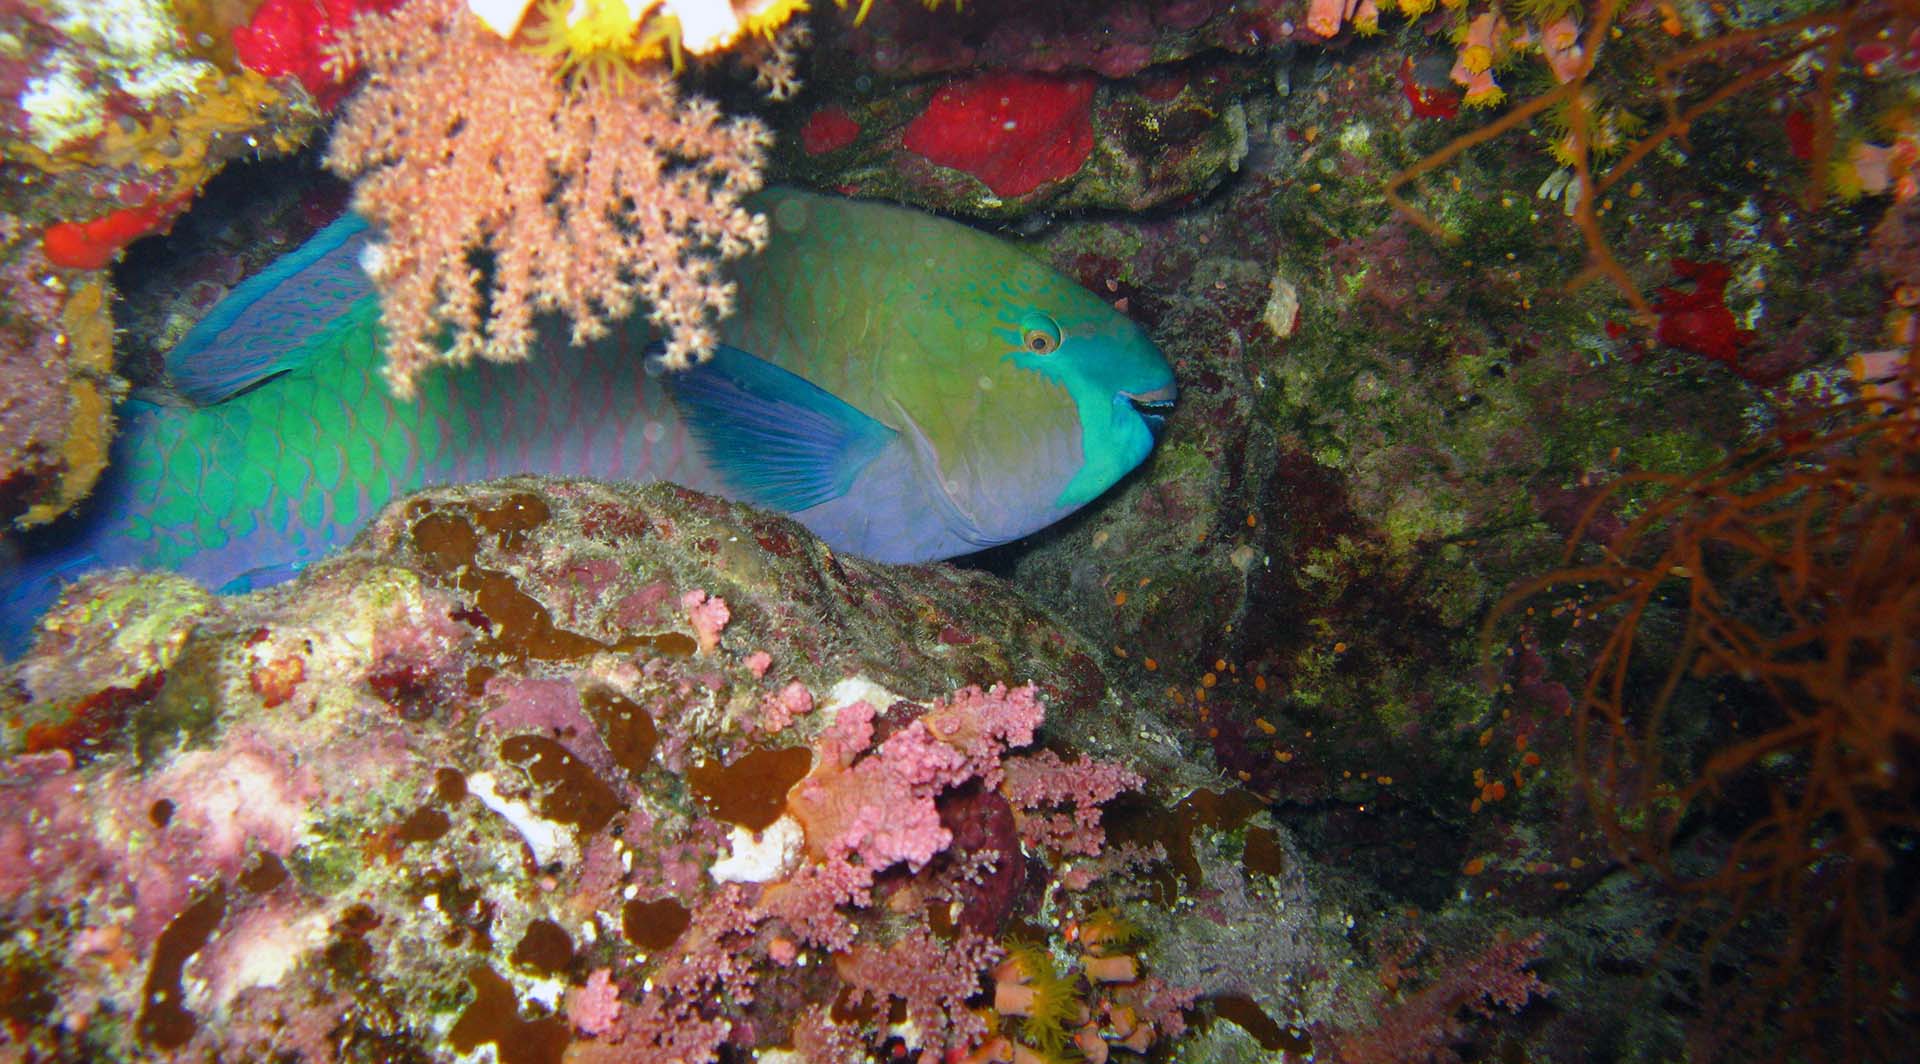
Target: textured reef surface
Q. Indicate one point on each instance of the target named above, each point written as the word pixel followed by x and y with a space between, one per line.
pixel 590 773
pixel 1505 654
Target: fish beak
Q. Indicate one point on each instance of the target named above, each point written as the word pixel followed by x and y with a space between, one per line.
pixel 1153 407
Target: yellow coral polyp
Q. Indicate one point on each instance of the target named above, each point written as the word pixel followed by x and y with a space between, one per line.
pixel 595 39
pixel 1604 138
pixel 1414 8
pixel 589 26
pixel 763 17
pixel 1024 963
pixel 1105 928
pixel 1027 985
pixel 1564 151
pixel 1476 58
pixel 1484 96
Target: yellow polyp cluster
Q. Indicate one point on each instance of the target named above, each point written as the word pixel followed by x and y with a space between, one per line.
pixel 1609 129
pixel 1484 96
pixel 595 40
pixel 1081 1011
pixel 762 18
pixel 1887 376
pixel 598 41
pixel 1028 985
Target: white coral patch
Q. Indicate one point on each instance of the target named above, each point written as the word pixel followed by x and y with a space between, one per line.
pixel 130 46
pixel 547 839
pixel 705 25
pixel 762 857
pixel 857 689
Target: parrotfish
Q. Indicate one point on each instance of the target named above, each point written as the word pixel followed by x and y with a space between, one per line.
pixel 908 388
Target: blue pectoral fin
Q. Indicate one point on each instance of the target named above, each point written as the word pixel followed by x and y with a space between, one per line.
pixel 773 437
pixel 269 323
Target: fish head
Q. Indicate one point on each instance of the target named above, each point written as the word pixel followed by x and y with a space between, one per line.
pixel 1045 397
pixel 1007 394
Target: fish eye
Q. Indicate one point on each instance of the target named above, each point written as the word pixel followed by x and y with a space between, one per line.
pixel 1039 334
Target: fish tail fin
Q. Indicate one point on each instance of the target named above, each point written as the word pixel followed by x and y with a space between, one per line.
pixel 29 585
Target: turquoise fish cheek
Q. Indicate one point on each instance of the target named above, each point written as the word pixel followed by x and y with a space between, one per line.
pixel 1100 368
pixel 1112 451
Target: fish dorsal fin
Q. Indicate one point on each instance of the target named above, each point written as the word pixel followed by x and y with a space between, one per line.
pixel 269 323
pixel 773 437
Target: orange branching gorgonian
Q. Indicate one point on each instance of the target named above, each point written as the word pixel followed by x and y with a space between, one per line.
pixel 1749 729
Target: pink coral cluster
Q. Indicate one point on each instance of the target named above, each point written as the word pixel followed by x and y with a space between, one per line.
pixel 781 708
pixel 1040 785
pixel 880 808
pixel 708 614
pixel 933 980
pixel 1425 1025
pixel 589 197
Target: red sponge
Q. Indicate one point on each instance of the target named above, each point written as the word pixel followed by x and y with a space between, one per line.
pixel 1015 132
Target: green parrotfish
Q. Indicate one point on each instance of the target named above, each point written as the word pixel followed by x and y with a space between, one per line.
pixel 908 388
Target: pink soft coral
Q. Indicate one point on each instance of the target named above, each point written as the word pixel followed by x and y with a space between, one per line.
pixel 880 807
pixel 1058 802
pixel 866 808
pixel 589 197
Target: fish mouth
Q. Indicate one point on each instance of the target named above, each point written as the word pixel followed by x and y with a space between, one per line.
pixel 1153 407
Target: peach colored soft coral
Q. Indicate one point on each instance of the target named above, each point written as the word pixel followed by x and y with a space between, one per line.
pixel 581 199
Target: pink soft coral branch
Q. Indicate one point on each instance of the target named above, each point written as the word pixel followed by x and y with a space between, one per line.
pixel 1058 802
pixel 866 808
pixel 880 806
pixel 588 198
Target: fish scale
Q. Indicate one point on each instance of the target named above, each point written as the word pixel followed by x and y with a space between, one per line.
pixel 215 492
pixel 875 383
